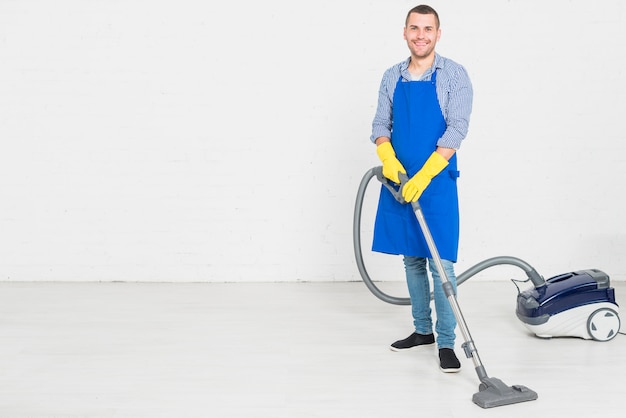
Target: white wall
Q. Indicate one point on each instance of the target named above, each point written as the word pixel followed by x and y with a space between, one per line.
pixel 200 141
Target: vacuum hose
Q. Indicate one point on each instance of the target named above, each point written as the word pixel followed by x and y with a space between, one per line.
pixel 377 172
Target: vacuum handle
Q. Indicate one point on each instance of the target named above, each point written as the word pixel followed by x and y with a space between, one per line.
pixel 394 188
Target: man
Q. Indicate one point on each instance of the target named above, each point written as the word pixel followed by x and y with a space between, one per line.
pixel 423 112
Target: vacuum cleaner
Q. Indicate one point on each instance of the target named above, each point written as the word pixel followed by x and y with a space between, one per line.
pixel 578 304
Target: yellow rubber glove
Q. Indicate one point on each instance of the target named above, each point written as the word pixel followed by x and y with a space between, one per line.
pixel 391 165
pixel 413 189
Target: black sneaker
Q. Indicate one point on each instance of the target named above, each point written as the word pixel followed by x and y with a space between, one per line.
pixel 448 362
pixel 413 340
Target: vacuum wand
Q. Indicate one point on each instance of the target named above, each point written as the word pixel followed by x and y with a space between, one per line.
pixel 448 289
pixel 492 391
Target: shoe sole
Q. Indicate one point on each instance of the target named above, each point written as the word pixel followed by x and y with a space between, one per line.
pixel 392 348
pixel 455 370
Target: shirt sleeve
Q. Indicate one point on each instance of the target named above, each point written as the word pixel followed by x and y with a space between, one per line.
pixel 381 126
pixel 460 96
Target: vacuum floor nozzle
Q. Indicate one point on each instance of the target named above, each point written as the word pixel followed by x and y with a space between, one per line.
pixel 493 392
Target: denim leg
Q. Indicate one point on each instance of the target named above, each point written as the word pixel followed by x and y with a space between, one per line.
pixel 446 322
pixel 419 292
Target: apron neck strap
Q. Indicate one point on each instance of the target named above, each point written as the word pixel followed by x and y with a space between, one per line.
pixel 433 77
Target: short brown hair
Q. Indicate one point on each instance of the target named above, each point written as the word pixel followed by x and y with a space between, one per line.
pixel 423 9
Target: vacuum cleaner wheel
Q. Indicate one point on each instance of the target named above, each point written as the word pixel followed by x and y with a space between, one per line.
pixel 603 324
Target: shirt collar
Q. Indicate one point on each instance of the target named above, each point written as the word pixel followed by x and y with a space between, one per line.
pixel 437 64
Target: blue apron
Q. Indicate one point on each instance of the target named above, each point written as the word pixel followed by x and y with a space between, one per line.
pixel 417 126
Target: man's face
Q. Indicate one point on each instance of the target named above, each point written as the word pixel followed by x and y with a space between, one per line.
pixel 421 34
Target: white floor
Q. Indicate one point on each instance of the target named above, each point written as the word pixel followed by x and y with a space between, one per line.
pixel 278 350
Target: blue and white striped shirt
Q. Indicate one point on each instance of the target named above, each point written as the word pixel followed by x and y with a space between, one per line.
pixel 454 92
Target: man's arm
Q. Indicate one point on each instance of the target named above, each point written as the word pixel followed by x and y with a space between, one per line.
pixel 446 153
pixel 459 109
pixel 382 123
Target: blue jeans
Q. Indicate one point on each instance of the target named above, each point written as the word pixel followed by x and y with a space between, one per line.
pixel 419 292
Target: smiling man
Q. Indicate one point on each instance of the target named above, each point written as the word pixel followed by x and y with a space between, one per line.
pixel 424 106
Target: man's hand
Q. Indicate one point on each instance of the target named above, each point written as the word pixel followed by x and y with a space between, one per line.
pixel 413 189
pixel 391 165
